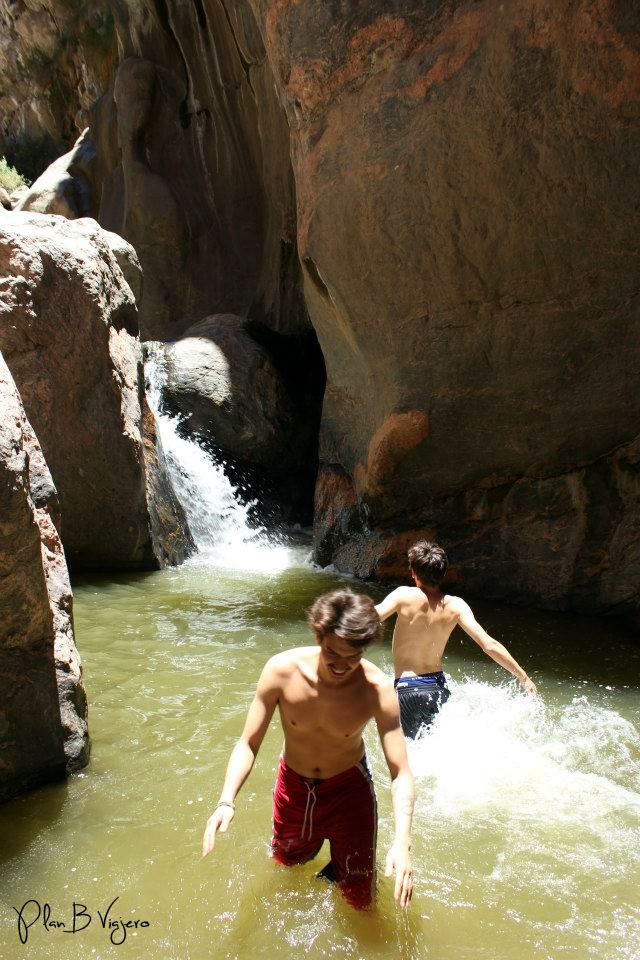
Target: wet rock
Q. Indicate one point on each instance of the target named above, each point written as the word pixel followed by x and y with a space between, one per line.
pixel 172 540
pixel 5 199
pixel 43 709
pixel 467 223
pixel 227 388
pixel 68 334
pixel 223 379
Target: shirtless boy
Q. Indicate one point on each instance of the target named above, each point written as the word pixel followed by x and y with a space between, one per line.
pixel 325 695
pixel 426 619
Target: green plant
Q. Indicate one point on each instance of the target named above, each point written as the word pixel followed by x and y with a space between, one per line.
pixel 10 179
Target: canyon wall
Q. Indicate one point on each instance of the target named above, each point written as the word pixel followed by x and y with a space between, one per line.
pixel 455 182
pixel 467 223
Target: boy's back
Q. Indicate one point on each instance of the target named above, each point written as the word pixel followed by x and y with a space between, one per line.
pixel 422 629
pixel 426 619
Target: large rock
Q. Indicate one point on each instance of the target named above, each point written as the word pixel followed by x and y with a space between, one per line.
pixel 468 224
pixel 65 187
pixel 68 332
pixel 227 389
pixel 225 381
pixel 43 708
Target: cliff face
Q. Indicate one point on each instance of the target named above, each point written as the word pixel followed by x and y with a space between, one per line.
pixel 193 148
pixel 43 707
pixel 466 219
pixel 458 181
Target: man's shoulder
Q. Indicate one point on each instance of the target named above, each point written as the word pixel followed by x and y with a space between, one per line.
pixel 404 594
pixel 374 675
pixel 454 604
pixel 285 662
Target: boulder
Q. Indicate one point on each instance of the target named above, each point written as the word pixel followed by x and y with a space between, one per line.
pixel 467 223
pixel 223 377
pixel 68 332
pixel 65 186
pixel 226 387
pixel 43 708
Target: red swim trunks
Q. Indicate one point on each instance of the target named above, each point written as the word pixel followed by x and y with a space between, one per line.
pixel 340 809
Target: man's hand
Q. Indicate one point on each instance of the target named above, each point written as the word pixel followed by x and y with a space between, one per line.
pixel 218 821
pixel 529 686
pixel 399 861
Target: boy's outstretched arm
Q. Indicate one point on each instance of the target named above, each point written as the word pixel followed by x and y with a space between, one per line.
pixel 493 648
pixel 243 755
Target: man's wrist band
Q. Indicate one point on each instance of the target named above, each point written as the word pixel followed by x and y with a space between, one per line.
pixel 225 803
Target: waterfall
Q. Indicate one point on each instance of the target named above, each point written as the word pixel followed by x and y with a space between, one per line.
pixel 217 517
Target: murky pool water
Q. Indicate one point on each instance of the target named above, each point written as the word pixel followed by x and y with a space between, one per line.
pixel 526 839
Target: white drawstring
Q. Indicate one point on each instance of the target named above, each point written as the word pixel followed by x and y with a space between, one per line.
pixel 311 794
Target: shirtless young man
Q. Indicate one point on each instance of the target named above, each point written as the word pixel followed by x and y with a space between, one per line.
pixel 325 695
pixel 426 619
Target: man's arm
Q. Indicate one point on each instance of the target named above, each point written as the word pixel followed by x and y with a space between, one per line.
pixel 390 604
pixel 244 754
pixel 402 791
pixel 493 648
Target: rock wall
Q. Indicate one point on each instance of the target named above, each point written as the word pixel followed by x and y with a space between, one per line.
pixel 199 179
pixel 68 332
pixel 193 147
pixel 56 59
pixel 458 181
pixel 466 185
pixel 43 709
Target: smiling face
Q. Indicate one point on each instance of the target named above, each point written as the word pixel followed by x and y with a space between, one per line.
pixel 338 658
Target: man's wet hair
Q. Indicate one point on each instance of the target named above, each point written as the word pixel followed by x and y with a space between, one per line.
pixel 429 562
pixel 350 616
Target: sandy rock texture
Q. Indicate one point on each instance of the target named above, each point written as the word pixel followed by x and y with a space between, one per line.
pixel 467 222
pixel 193 145
pixel 43 708
pixel 68 325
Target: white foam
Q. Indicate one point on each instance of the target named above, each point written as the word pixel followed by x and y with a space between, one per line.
pixel 498 751
pixel 217 516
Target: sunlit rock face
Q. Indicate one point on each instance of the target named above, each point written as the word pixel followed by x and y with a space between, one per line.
pixel 467 222
pixel 68 332
pixel 43 708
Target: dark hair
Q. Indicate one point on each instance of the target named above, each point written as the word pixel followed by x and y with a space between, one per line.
pixel 351 616
pixel 429 562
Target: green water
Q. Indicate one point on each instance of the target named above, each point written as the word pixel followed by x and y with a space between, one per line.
pixel 526 840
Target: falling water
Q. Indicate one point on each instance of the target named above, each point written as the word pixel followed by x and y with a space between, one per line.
pixel 217 516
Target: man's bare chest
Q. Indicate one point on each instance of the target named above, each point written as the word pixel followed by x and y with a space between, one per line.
pixel 341 713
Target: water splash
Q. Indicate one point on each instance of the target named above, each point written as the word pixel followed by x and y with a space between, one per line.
pixel 217 516
pixel 496 750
